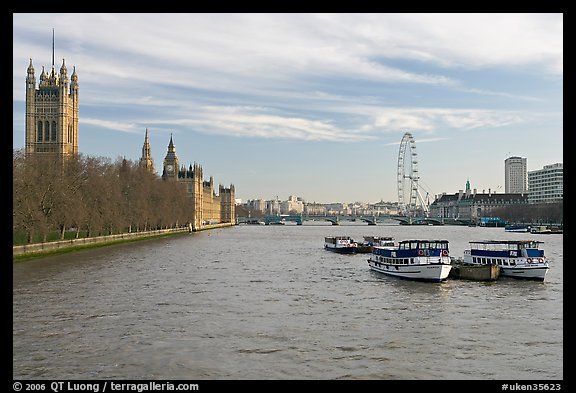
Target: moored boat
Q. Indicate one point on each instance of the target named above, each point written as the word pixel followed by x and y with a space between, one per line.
pixel 517 228
pixel 340 244
pixel 468 271
pixel 369 242
pixel 516 258
pixel 545 230
pixel 422 260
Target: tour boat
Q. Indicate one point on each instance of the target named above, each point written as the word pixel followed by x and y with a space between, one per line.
pixel 545 229
pixel 517 228
pixel 422 260
pixel 340 244
pixel 516 258
pixel 367 246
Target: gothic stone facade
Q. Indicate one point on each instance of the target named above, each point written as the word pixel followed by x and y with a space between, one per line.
pixel 52 112
pixel 208 207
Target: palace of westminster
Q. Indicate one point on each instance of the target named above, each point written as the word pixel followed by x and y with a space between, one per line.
pixel 52 128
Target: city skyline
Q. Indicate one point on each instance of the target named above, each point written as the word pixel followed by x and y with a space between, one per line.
pixel 313 105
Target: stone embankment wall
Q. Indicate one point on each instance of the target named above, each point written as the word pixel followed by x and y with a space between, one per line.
pixel 62 244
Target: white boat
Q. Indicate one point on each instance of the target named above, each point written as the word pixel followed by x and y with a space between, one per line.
pixel 545 229
pixel 340 244
pixel 517 228
pixel 367 246
pixel 516 258
pixel 422 260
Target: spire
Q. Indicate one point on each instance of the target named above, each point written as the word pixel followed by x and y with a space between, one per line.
pixel 52 47
pixel 30 78
pixel 146 160
pixel 30 67
pixel 63 69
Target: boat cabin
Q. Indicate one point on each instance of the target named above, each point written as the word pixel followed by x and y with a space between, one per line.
pixel 338 240
pixel 507 248
pixel 415 248
pixel 379 241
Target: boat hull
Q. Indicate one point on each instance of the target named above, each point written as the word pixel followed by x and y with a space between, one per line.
pixel 433 272
pixel 364 249
pixel 342 250
pixel 517 228
pixel 526 273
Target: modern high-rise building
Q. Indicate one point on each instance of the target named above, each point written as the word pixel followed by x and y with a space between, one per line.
pixel 52 111
pixel 546 185
pixel 515 175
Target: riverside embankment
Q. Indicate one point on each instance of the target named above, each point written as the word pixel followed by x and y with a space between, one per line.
pixel 48 248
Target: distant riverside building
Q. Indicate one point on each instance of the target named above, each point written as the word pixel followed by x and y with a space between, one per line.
pixel 207 206
pixel 546 185
pixel 273 206
pixel 314 209
pixel 292 205
pixel 515 175
pixel 469 205
pixel 52 111
pixel 384 208
pixel 257 205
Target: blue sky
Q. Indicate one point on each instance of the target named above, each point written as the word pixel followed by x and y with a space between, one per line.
pixel 313 105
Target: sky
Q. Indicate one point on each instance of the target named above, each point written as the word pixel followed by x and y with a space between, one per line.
pixel 311 105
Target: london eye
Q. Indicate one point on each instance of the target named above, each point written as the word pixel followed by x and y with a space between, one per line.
pixel 410 201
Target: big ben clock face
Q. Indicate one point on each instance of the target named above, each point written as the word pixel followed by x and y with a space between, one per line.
pixel 169 167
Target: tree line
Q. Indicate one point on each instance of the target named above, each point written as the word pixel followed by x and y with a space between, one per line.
pixel 91 195
pixel 539 213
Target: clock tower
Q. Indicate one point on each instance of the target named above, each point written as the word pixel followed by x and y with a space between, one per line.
pixel 171 165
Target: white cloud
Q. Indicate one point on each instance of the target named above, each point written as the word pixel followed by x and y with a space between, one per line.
pixel 112 125
pixel 259 122
pixel 434 119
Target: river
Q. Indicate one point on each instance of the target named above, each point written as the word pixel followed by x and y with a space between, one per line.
pixel 268 302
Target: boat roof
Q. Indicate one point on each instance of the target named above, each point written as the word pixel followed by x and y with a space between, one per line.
pixel 424 241
pixel 505 241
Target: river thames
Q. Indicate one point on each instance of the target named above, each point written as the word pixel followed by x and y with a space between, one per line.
pixel 268 302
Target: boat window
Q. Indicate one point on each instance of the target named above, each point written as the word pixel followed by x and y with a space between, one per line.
pixel 424 245
pixel 413 245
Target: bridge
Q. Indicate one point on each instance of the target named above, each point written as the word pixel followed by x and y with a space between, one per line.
pixel 337 219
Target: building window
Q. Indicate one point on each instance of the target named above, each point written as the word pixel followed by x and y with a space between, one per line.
pixel 47 131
